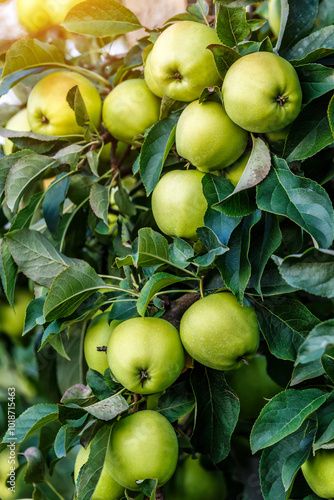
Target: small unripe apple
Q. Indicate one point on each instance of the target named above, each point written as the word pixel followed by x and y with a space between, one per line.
pixel 261 92
pixel 36 15
pixel 173 206
pixel 97 335
pixel 219 332
pixel 234 173
pixel 318 471
pixel 48 110
pixel 274 15
pixel 145 354
pixel 12 320
pixel 181 65
pixel 142 446
pixel 19 122
pixel 208 138
pixel 129 109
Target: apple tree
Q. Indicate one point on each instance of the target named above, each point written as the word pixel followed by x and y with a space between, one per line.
pixel 132 204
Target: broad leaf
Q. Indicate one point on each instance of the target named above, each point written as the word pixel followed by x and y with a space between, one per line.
pixel 325 430
pixel 299 23
pixel 109 408
pixel 316 343
pixel 316 46
pixel 177 401
pixel 8 272
pixel 315 80
pixel 224 57
pixel 212 245
pixel 99 200
pixel 232 26
pixel 6 164
pixel 53 202
pixel 35 470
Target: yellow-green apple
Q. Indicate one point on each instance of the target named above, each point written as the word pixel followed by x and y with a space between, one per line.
pixel 181 65
pixel 219 332
pixel 274 15
pixel 129 109
pixel 12 320
pixel 261 92
pixel 192 481
pixel 318 470
pixel 253 386
pixel 97 335
pixel 107 488
pixel 36 15
pixel 151 83
pixel 173 206
pixel 235 171
pixel 142 446
pixel 48 110
pixel 145 354
pixel 19 122
pixel 207 137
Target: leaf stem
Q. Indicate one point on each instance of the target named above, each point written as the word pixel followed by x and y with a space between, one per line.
pixel 53 489
pixel 203 13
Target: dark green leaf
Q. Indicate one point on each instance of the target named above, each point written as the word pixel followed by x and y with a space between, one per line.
pixel 35 471
pixel 177 401
pixel 212 244
pixel 315 80
pixel 6 164
pixel 122 200
pixel 232 26
pixel 76 102
pixel 8 272
pixel 148 487
pixel 312 48
pixel 99 201
pixel 24 216
pixel 180 251
pixel 327 362
pixel 53 203
pixel 316 343
pixel 325 430
pixel 224 57
pixel 34 314
pixel 299 24
pixel 96 382
pixel 67 435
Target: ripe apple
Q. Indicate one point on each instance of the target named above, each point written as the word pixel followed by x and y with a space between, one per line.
pixel 48 110
pixel 145 354
pixel 235 171
pixel 19 122
pixel 173 206
pixel 192 481
pixel 274 16
pixel 129 109
pixel 12 321
pixel 261 92
pixel 97 335
pixel 36 15
pixel 181 65
pixel 208 138
pixel 220 333
pixel 107 488
pixel 142 446
pixel 318 471
pixel 253 386
pixel 149 79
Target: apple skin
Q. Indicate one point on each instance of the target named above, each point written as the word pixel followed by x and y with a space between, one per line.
pixel 149 79
pixel 234 173
pixel 219 333
pixel 12 322
pixel 48 111
pixel 252 88
pixel 181 65
pixel 208 138
pixel 97 335
pixel 19 122
pixel 129 109
pixel 274 16
pixel 107 488
pixel 142 446
pixel 36 15
pixel 145 354
pixel 173 205
pixel 253 386
pixel 192 481
pixel 318 471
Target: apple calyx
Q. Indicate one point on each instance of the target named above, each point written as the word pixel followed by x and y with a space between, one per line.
pixel 177 76
pixel 45 120
pixel 143 376
pixel 282 99
pixel 102 348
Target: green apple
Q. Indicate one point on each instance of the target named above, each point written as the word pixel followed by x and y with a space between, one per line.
pixel 318 470
pixel 12 320
pixel 151 83
pixel 107 488
pixel 235 171
pixel 253 386
pixel 220 333
pixel 208 138
pixel 36 15
pixel 181 65
pixel 274 16
pixel 142 446
pixel 97 335
pixel 173 205
pixel 129 109
pixel 48 110
pixel 19 122
pixel 192 481
pixel 261 92
pixel 145 354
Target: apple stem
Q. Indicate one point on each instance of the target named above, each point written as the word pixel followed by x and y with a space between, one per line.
pixel 143 376
pixel 245 361
pixel 102 348
pixel 282 99
pixel 45 121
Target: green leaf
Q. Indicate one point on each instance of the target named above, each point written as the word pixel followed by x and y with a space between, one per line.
pixel 78 394
pixel 232 26
pixel 36 257
pixel 8 272
pixel 177 401
pixel 97 383
pixel 198 8
pixel 284 323
pixel 123 201
pixel 213 246
pixel 234 265
pixel 22 174
pixel 154 152
pixel 30 52
pixel 99 201
pixel 283 415
pixel 235 3
pixel 69 289
pixel 296 459
pixel 316 343
pixel 217 411
pixel 327 362
pixel 66 436
pixel 300 199
pixel 148 487
pixel 306 372
pixel 299 24
pixel 317 45
pixel 109 408
pixel 29 421
pixel 224 57
pixel 101 19
pixel 39 143
pixel 156 283
pixel 24 216
pixel 310 132
pixel 272 282
pixel 76 102
pixel 53 203
pixel 35 471
pixel 315 80
pixel 6 164
pixel 311 271
pixel 180 251
pixel 325 430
